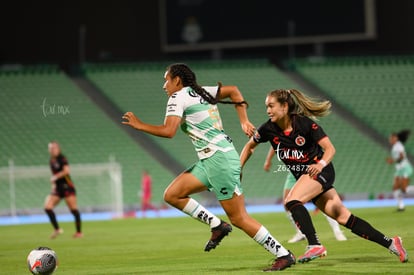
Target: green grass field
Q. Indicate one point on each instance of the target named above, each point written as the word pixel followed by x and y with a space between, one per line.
pixel 175 246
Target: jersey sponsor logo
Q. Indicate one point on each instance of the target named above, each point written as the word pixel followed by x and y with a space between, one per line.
pixel 56 165
pixel 171 107
pixel 300 141
pixel 315 126
pixel 291 154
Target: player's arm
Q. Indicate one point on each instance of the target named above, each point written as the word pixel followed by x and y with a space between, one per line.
pixel 268 160
pixel 65 171
pixel 329 152
pixel 247 151
pixel 390 160
pixel 167 130
pixel 235 95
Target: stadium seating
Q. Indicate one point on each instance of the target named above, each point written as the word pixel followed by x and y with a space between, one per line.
pixel 378 90
pixel 39 105
pixel 359 161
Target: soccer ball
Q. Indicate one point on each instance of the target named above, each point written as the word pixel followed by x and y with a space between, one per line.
pixel 42 260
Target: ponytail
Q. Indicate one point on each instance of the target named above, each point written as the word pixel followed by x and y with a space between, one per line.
pixel 188 79
pixel 402 135
pixel 301 104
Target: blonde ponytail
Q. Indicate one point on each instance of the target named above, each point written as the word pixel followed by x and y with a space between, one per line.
pixel 299 103
pixel 311 107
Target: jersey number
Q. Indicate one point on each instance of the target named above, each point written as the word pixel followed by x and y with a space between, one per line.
pixel 215 117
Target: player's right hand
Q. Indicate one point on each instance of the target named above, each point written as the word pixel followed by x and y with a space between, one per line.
pixel 131 120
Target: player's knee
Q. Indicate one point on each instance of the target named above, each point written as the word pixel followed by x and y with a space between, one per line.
pixel 237 221
pixel 169 197
pixel 289 205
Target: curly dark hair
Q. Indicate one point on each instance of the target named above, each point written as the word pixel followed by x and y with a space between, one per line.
pixel 189 79
pixel 402 135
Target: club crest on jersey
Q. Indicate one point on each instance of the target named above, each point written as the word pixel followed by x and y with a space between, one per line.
pixel 300 141
pixel 276 140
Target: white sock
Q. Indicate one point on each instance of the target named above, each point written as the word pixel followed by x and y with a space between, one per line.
pixel 333 223
pixel 197 211
pixel 272 245
pixel 289 216
pixel 398 197
pixel 410 190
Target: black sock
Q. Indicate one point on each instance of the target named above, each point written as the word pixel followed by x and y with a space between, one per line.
pixel 303 221
pixel 52 218
pixel 366 231
pixel 76 214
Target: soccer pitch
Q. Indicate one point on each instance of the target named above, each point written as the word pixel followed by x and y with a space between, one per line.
pixel 175 246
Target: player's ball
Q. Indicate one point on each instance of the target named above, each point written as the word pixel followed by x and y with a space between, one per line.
pixel 42 260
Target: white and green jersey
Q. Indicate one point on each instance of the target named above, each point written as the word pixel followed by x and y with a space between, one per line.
pixel 396 151
pixel 200 121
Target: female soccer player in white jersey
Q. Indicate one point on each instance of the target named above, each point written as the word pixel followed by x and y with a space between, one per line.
pixel 307 151
pixel 194 108
pixel 403 167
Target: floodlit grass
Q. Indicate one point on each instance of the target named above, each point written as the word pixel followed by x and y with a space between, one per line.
pixel 175 246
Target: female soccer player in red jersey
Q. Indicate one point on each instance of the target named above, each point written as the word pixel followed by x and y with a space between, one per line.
pixel 307 151
pixel 62 188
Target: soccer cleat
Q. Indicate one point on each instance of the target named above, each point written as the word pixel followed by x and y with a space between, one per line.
pixel 297 237
pixel 218 233
pixel 282 263
pixel 313 252
pixel 56 233
pixel 78 235
pixel 397 248
pixel 339 235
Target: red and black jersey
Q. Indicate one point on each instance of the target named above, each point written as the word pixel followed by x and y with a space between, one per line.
pixel 56 165
pixel 296 149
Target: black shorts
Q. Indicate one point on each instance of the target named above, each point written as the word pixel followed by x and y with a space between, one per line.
pixel 326 178
pixel 64 191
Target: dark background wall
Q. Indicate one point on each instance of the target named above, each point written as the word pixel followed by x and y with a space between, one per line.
pixel 126 30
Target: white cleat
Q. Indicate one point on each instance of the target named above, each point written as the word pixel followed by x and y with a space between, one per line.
pixel 297 238
pixel 339 235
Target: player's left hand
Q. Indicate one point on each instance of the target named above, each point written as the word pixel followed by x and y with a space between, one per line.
pixel 131 120
pixel 314 169
pixel 248 128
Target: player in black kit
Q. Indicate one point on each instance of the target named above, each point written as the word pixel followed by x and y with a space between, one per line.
pixel 62 188
pixel 302 145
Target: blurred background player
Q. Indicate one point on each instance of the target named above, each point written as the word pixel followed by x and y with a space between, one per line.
pixel 289 183
pixel 146 193
pixel 403 167
pixel 62 188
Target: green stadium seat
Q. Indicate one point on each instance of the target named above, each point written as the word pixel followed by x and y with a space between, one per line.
pixel 86 134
